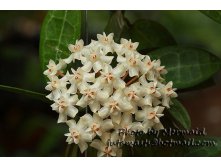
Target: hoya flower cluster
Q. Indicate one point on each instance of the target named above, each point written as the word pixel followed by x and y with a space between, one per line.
pixel 110 87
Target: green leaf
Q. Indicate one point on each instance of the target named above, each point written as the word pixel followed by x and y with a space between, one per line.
pixel 149 34
pixel 180 114
pixel 211 146
pixel 205 84
pixel 213 14
pixel 59 29
pixel 116 24
pixel 35 95
pixel 187 66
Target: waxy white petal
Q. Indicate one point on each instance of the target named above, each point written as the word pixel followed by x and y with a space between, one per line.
pixel 87 66
pixel 62 118
pixel 104 112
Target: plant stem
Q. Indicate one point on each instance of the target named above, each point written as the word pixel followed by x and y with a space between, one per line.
pixel 132 80
pixel 67 150
pixel 60 73
pixel 125 75
pixel 36 95
pixel 74 151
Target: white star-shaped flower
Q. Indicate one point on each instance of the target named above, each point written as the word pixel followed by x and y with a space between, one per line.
pixel 110 78
pixel 77 51
pixel 79 77
pixel 78 135
pixel 56 85
pixel 168 92
pixel 105 150
pixel 151 92
pixel 132 63
pixel 150 116
pixel 53 68
pixel 114 106
pixel 106 42
pixel 126 47
pixel 128 125
pixel 96 125
pixel 158 70
pixel 133 94
pixel 147 65
pixel 95 59
pixel 65 106
pixel 92 96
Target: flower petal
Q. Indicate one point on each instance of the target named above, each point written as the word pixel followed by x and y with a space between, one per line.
pixel 97 66
pixel 100 154
pixel 107 59
pixel 147 100
pixel 125 105
pixel 107 125
pixel 121 59
pixel 62 118
pixel 104 112
pixel 133 72
pixel 71 123
pixel 165 101
pixel 94 106
pixel 156 120
pixel 119 70
pixel 126 119
pixel 72 89
pixel 97 144
pixel 86 137
pixel 140 115
pixel 83 146
pixel 158 126
pixel 102 95
pixel 82 102
pixel 137 126
pixel 89 77
pixel 105 137
pixel 69 59
pixel 159 109
pixel 72 111
pixel 87 66
pixel 116 118
pixel 119 84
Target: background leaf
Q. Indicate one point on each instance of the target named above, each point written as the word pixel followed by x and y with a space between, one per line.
pixel 59 29
pixel 206 151
pixel 116 24
pixel 180 114
pixel 213 14
pixel 149 34
pixel 187 66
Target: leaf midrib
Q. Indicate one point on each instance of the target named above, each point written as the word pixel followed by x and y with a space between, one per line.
pixel 192 65
pixel 60 35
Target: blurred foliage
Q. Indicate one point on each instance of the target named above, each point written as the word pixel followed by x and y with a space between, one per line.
pixel 187 27
pixel 150 34
pixel 213 14
pixel 204 151
pixel 116 24
pixel 182 117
